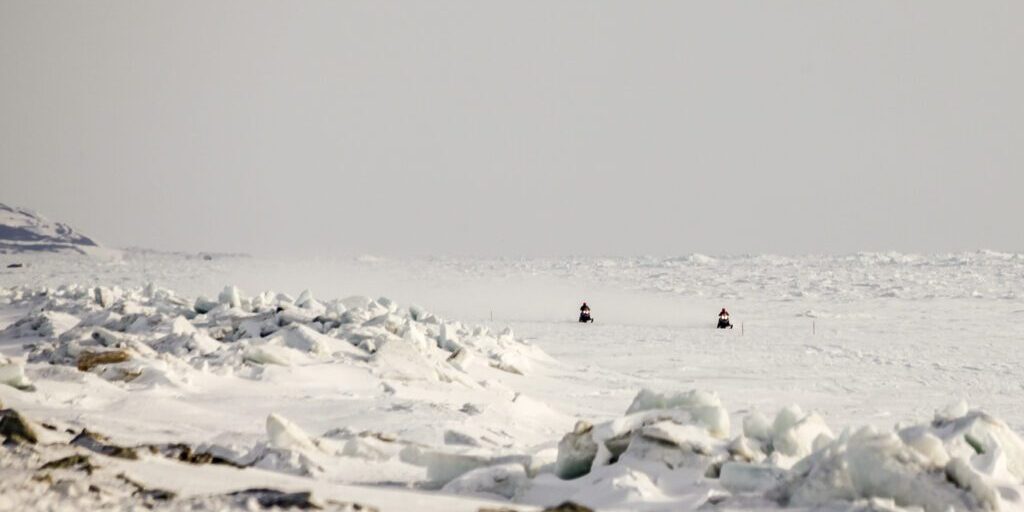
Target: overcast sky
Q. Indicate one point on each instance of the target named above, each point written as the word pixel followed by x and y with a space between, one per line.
pixel 518 128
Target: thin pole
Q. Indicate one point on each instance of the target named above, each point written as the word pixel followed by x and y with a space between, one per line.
pixel 741 329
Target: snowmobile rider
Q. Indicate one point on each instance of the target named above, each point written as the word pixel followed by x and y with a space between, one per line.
pixel 585 314
pixel 723 320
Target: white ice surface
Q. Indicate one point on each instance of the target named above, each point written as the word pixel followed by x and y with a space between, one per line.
pixel 869 339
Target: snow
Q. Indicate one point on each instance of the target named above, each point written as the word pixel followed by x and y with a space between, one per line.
pixel 12 373
pixel 869 381
pixel 501 481
pixel 285 435
pixel 25 231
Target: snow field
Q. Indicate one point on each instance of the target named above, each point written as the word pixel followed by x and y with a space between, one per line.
pixel 620 416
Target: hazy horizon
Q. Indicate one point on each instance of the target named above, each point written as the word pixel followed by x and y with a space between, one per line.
pixel 527 129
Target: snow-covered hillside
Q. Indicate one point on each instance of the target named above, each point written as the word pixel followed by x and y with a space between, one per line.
pixel 25 230
pixel 191 395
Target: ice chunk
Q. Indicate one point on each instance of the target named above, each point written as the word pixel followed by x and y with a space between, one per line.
pixel 745 449
pixel 285 435
pixel 668 445
pixel 691 437
pixel 256 326
pixel 46 324
pixel 983 495
pixel 445 464
pixel 742 477
pixel 183 344
pixel 231 297
pixel 368 345
pixel 511 362
pixel 880 465
pixel 295 462
pixel 305 299
pixel 461 359
pixel 272 354
pixel 952 411
pixel 292 315
pixel 182 327
pixel 302 338
pixel 705 408
pixel 371 447
pixel 388 304
pixel 401 361
pixel 622 484
pixel 756 426
pixel 413 335
pixel 800 439
pixel 818 479
pixel 448 339
pixel 930 446
pixel 977 433
pixel 104 296
pixel 356 302
pixel 204 305
pixel 503 480
pixel 576 452
pixel 12 373
pixel 786 419
pixel 457 437
pixel 416 312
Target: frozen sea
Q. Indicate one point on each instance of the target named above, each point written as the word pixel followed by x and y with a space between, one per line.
pixel 880 339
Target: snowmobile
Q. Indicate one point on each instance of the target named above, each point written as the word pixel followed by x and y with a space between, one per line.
pixel 723 320
pixel 585 314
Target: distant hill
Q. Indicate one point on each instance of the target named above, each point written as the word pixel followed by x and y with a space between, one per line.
pixel 23 230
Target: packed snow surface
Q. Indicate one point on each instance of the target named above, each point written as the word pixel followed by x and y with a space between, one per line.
pixel 863 382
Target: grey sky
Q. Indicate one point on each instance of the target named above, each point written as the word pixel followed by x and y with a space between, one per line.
pixel 519 127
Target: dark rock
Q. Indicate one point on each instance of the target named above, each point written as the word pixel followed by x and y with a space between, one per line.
pixel 76 462
pixel 89 360
pixel 272 498
pixel 184 453
pixel 45 478
pixel 714 470
pixel 100 444
pixel 350 507
pixel 569 506
pixel 146 493
pixel 155 494
pixel 15 428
